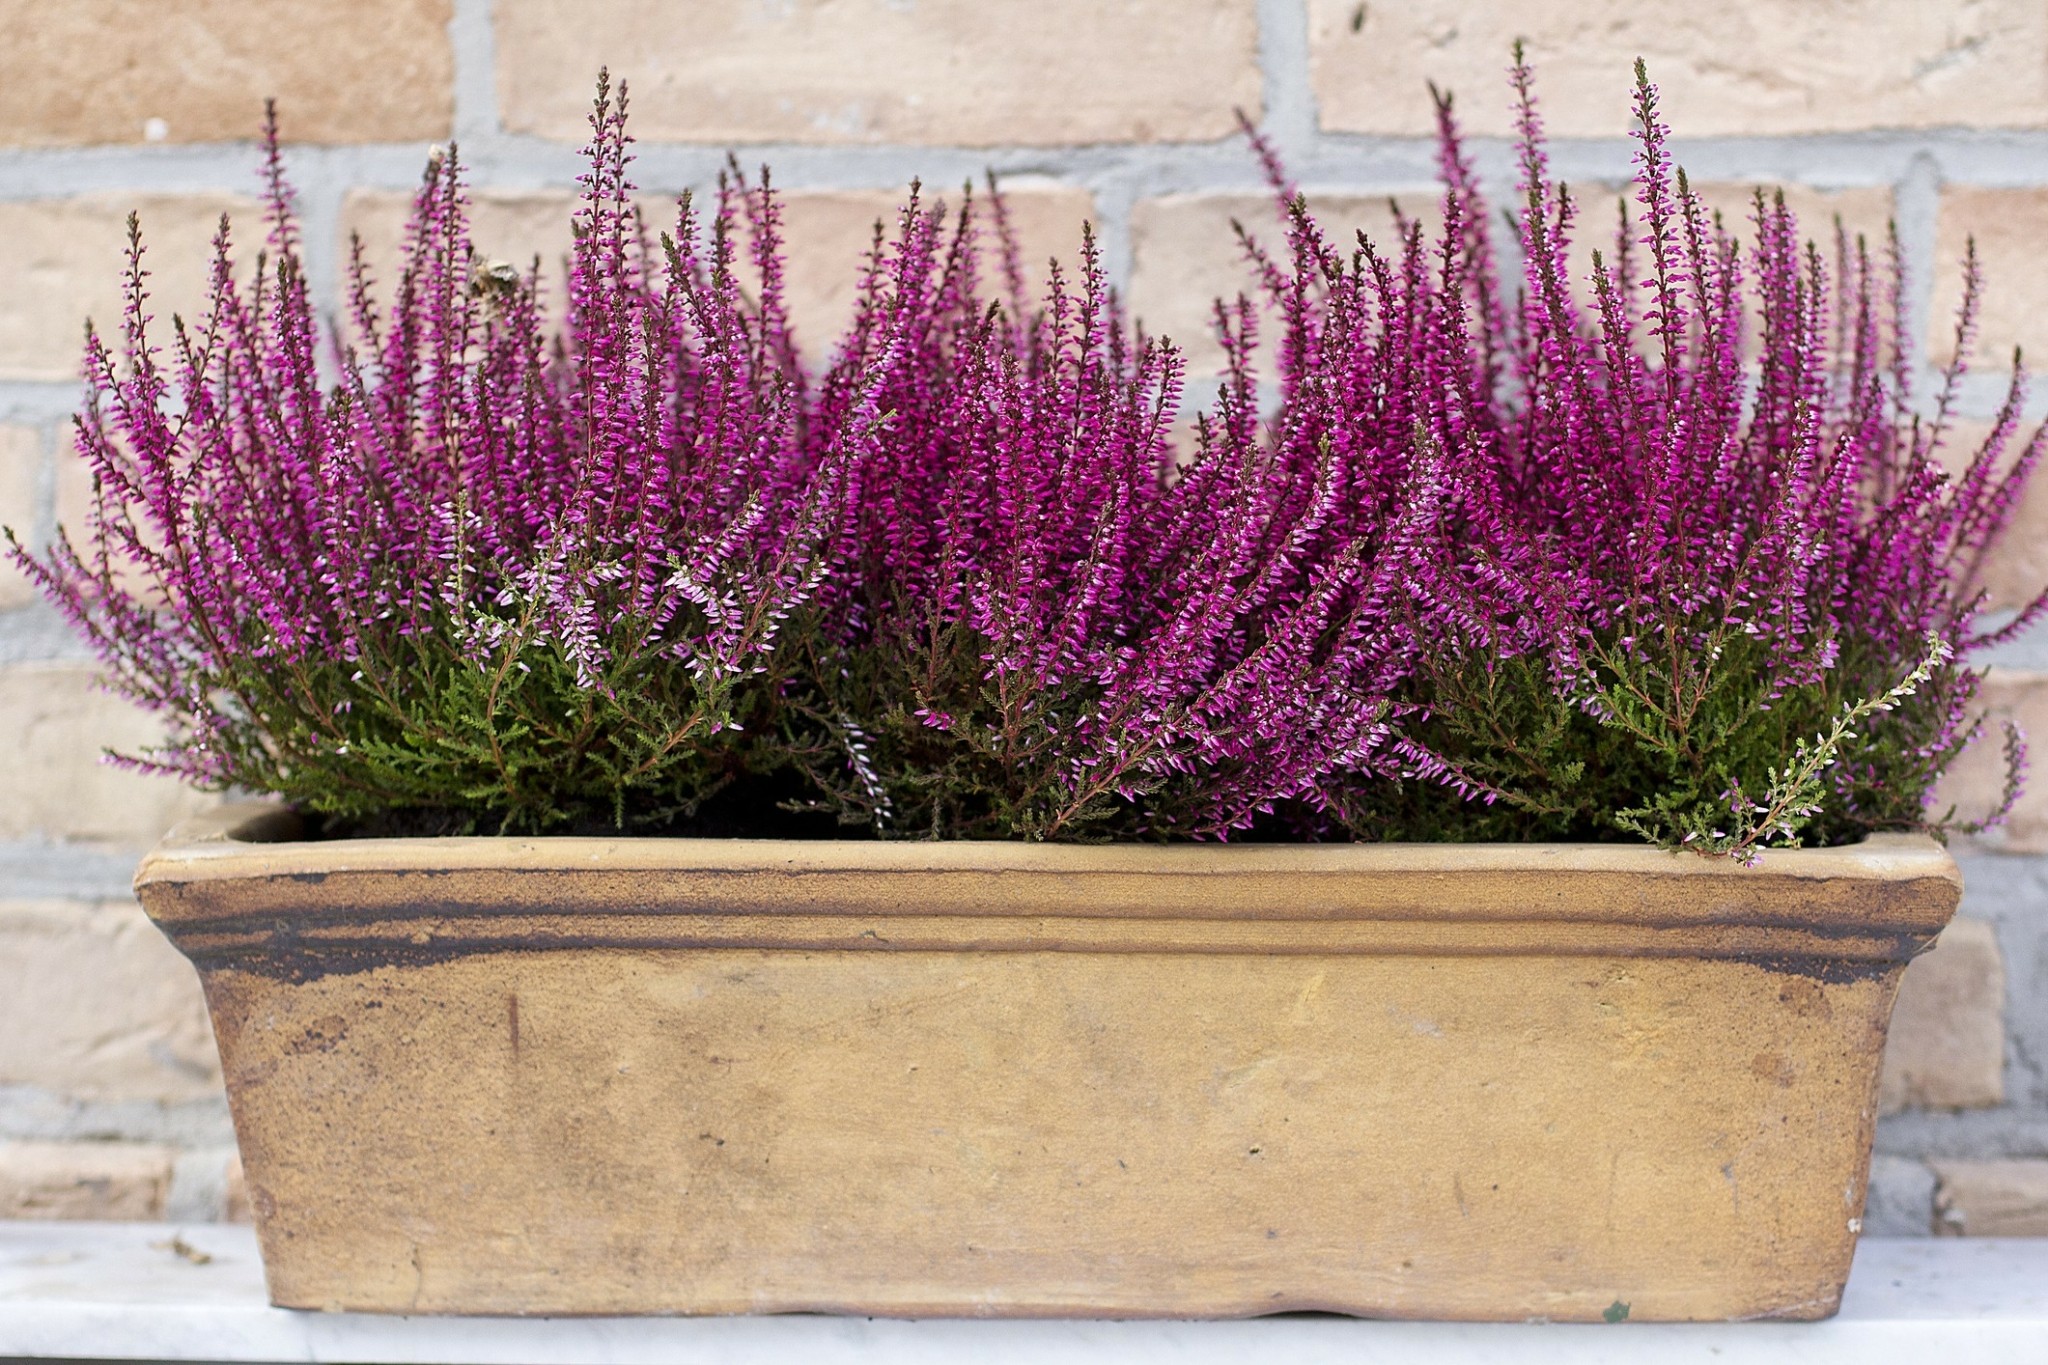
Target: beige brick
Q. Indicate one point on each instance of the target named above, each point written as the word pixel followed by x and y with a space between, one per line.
pixel 97 71
pixel 95 1003
pixel 55 724
pixel 74 502
pixel 826 233
pixel 1864 211
pixel 21 472
pixel 73 498
pixel 1747 66
pixel 971 72
pixel 1991 1198
pixel 513 226
pixel 1946 1049
pixel 1973 785
pixel 2017 569
pixel 829 234
pixel 2009 226
pixel 124 1181
pixel 66 262
pixel 1186 254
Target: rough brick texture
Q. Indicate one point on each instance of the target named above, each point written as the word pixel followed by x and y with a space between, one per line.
pixel 2008 226
pixel 57 788
pixel 92 71
pixel 1744 67
pixel 1947 1043
pixel 1863 211
pixel 1974 785
pixel 513 226
pixel 64 264
pixel 972 72
pixel 827 234
pixel 830 233
pixel 124 1181
pixel 1185 253
pixel 2017 570
pixel 1991 1198
pixel 96 1004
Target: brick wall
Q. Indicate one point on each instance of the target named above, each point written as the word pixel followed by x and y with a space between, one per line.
pixel 1930 112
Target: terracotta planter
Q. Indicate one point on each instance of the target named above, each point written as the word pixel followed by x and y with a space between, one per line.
pixel 672 1076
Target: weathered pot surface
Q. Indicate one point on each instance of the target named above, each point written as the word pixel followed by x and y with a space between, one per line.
pixel 681 1076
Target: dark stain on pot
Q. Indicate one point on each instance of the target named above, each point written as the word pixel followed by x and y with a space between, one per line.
pixel 299 963
pixel 303 947
pixel 1805 998
pixel 1833 971
pixel 512 1022
pixel 322 1035
pixel 285 954
pixel 1775 1067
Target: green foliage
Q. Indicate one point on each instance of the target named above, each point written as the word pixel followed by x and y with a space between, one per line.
pixel 1684 751
pixel 421 735
pixel 946 747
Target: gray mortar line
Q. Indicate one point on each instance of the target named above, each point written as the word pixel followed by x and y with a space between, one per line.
pixel 31 1113
pixel 1916 207
pixel 198 1191
pixel 1978 1134
pixel 317 199
pixel 39 403
pixel 473 39
pixel 36 868
pixel 1287 94
pixel 1826 161
pixel 43 530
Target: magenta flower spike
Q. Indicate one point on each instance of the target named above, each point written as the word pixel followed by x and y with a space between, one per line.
pixel 1681 588
pixel 462 574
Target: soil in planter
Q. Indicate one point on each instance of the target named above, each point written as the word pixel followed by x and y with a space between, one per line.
pixel 749 807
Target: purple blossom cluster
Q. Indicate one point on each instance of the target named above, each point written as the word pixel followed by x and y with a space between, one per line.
pixel 460 565
pixel 1648 471
pixel 1674 535
pixel 1668 551
pixel 1045 623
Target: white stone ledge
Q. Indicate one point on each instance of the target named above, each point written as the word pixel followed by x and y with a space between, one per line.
pixel 122 1291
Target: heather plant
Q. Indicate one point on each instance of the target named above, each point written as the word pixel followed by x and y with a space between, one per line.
pixel 1567 558
pixel 1042 627
pixel 470 578
pixel 1681 592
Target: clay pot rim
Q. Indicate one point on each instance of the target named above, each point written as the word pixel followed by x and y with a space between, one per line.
pixel 241 837
pixel 230 868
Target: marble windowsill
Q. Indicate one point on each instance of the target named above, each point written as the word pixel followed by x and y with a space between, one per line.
pixel 122 1291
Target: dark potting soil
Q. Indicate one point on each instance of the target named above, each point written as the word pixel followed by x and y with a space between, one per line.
pixel 746 808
